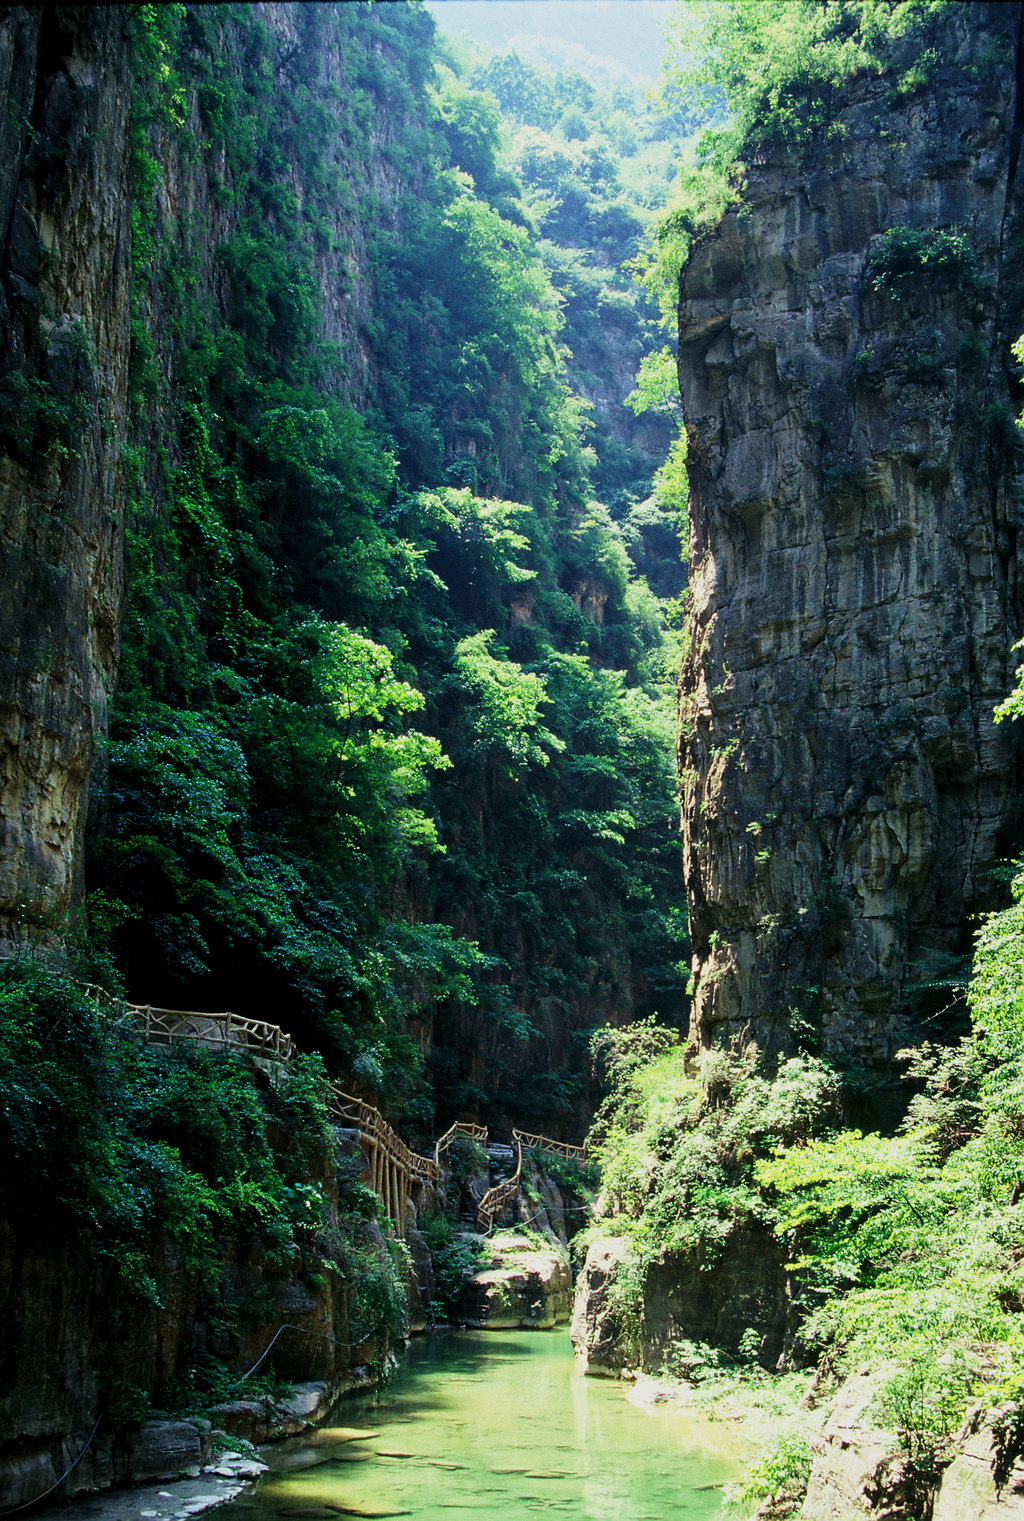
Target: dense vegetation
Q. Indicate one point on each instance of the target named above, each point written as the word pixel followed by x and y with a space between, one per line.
pixel 904 1244
pixel 390 759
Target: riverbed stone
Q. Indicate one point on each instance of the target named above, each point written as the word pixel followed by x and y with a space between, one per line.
pixel 526 1285
pixel 166 1449
pixel 248 1419
pixel 968 1491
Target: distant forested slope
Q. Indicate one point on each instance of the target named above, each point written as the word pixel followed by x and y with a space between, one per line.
pixel 390 756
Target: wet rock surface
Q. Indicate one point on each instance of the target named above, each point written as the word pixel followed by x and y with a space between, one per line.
pixel 597 1330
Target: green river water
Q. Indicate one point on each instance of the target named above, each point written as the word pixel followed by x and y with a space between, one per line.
pixel 498 1425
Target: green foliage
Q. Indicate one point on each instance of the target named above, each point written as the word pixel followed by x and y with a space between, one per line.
pixel 672 489
pixel 780 67
pixel 657 385
pixel 903 261
pixel 123 1144
pixel 574 1176
pixel 776 73
pixel 455 1259
pixel 380 1300
pixel 780 1474
pixel 906 1248
pixel 325 609
pixel 208 1381
pixel 36 419
pixel 503 719
pixel 996 993
pixel 997 987
pixel 465 1159
pixel 677 1147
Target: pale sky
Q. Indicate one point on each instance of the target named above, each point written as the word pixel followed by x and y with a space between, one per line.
pixel 616 36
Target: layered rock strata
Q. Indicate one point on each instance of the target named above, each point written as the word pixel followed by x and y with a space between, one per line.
pixel 625 1320
pixel 524 1285
pixel 855 597
pixel 65 221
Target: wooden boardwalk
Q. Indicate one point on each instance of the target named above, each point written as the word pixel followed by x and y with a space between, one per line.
pixel 395 1172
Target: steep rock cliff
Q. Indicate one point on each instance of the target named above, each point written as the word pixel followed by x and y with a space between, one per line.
pixel 86 109
pixel 80 1349
pixel 64 329
pixel 856 494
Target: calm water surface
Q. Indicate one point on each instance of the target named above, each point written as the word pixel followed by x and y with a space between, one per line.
pixel 499 1425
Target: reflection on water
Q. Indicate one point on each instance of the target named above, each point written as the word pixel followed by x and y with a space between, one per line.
pixel 497 1425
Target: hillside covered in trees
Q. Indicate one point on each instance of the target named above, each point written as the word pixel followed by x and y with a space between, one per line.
pixel 390 731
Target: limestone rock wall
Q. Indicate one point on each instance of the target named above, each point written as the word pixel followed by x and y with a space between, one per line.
pixel 621 1324
pixel 856 497
pixel 65 167
pixel 75 81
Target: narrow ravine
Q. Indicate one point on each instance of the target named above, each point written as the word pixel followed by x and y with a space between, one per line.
pixel 497 1425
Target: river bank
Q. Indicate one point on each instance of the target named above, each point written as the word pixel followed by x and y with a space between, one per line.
pixel 503 1421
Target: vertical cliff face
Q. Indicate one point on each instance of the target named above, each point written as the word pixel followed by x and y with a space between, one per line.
pixel 85 109
pixel 856 494
pixel 64 325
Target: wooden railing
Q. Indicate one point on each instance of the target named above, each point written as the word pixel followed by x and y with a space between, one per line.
pixel 393 1167
pixel 555 1148
pixel 503 1195
pixel 453 1133
pixel 372 1124
pixel 214 1030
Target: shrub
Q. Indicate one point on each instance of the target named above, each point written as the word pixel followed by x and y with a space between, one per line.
pixel 906 260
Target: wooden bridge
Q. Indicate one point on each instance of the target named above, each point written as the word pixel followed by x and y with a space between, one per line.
pixel 395 1171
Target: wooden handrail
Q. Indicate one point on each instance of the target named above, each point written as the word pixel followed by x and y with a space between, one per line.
pixel 545 1143
pixel 213 1029
pixel 505 1193
pixel 257 1038
pixel 452 1134
pixel 370 1122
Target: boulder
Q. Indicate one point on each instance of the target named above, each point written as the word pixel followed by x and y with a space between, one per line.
pixel 526 1286
pixel 165 1450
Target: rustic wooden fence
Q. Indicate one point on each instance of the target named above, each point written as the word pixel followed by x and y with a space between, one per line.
pixel 461 1129
pixel 217 1031
pixel 395 1170
pixel 504 1195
